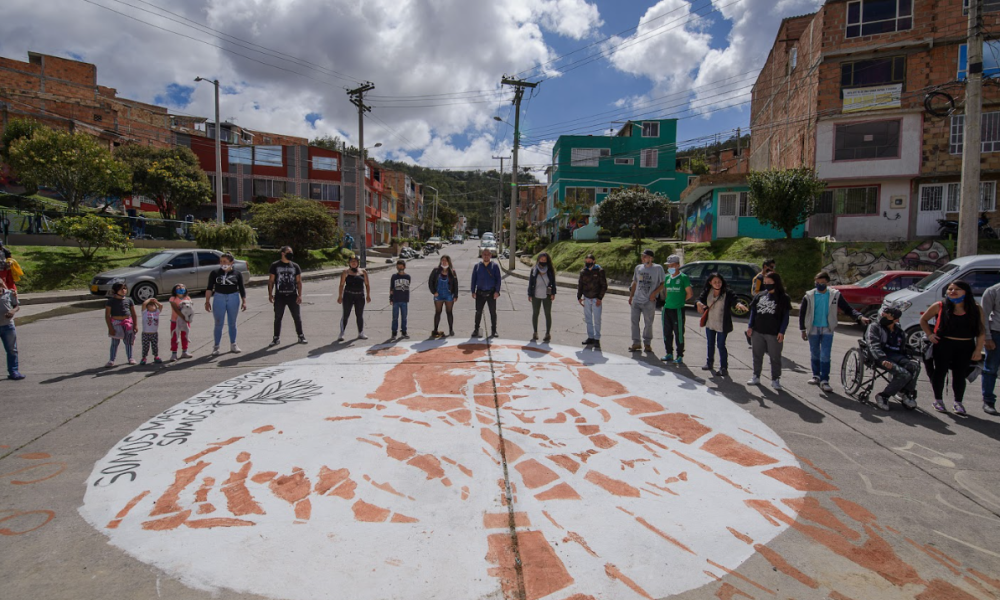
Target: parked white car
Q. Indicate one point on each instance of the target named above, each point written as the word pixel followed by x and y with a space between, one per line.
pixel 980 272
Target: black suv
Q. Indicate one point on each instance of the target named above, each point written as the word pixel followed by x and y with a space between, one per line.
pixel 738 275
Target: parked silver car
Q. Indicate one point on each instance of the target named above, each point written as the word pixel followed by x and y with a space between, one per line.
pixel 157 273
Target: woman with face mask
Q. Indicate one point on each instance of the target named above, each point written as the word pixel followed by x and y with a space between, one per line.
pixel 541 293
pixel 769 313
pixel 355 291
pixel 958 337
pixel 443 284
pixel 226 286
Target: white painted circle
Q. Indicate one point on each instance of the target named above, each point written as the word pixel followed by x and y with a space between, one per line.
pixel 372 475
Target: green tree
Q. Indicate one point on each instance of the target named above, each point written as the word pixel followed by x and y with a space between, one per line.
pixel 75 165
pixel 172 177
pixel 297 222
pixel 16 129
pixel 699 166
pixel 91 233
pixel 784 199
pixel 634 210
pixel 447 217
pixel 236 235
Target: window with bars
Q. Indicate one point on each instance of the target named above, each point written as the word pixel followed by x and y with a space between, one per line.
pixel 651 129
pixel 879 71
pixel 990 133
pixel 746 208
pixel 650 158
pixel 852 201
pixel 950 196
pixel 873 17
pixel 587 157
pixel 872 139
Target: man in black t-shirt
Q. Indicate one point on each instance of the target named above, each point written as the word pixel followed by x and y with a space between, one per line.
pixel 284 288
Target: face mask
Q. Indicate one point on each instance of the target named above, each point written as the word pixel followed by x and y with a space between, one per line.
pixel 444 266
pixel 885 323
pixel 400 269
pixel 589 265
pixel 289 256
pixel 181 292
pixel 820 287
pixel 769 287
pixel 354 269
pixel 672 270
pixel 227 267
pixel 958 300
pixel 543 267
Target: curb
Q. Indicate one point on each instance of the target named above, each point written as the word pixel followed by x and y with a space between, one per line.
pixel 255 282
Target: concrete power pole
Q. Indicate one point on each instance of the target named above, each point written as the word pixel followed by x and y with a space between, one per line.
pixel 358 99
pixel 968 215
pixel 518 94
pixel 497 216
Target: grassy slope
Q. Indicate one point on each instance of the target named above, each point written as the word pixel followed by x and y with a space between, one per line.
pixel 49 268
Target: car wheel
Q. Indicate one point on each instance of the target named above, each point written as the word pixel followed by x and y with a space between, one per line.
pixel 872 312
pixel 736 312
pixel 143 291
pixel 915 338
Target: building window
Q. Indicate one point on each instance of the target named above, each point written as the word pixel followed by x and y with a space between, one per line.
pixel 988 6
pixel 872 17
pixel 990 133
pixel 879 71
pixel 324 191
pixel 325 163
pixel 852 201
pixel 267 156
pixel 746 209
pixel 651 129
pixel 624 161
pixel 991 59
pixel 605 152
pixel 691 179
pixel 931 197
pixel 585 157
pixel 240 155
pixel 793 59
pixel 263 187
pixel 555 160
pixel 368 172
pixel 872 139
pixel 650 158
pixel 603 190
pixel 580 196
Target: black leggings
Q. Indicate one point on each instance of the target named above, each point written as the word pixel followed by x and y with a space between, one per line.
pixel 954 356
pixel 357 302
pixel 437 314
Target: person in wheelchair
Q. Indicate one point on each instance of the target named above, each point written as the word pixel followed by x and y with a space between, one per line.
pixel 887 350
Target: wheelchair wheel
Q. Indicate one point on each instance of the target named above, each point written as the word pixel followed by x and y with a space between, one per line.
pixel 852 372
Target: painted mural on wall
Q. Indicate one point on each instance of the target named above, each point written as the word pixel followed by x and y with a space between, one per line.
pixel 850 262
pixel 699 221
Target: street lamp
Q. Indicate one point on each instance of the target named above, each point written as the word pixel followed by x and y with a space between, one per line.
pixel 218 152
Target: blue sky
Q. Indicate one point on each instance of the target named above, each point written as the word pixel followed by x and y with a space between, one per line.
pixel 299 56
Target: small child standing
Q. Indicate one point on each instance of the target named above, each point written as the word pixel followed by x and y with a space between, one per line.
pixel 150 330
pixel 180 324
pixel 8 335
pixel 399 297
pixel 119 314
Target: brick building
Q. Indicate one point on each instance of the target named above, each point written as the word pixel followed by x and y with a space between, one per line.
pixel 843 91
pixel 532 203
pixel 409 202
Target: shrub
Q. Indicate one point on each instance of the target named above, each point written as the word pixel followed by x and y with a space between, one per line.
pixel 225 236
pixel 91 233
pixel 302 224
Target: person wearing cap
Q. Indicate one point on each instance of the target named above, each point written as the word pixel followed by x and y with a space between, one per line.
pixel 887 346
pixel 590 291
pixel 678 292
pixel 647 279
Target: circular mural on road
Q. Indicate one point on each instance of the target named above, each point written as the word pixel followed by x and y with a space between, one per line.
pixel 448 470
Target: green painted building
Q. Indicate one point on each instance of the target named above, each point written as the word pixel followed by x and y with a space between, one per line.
pixel 585 169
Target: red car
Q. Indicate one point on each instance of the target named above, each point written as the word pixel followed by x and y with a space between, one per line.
pixel 867 295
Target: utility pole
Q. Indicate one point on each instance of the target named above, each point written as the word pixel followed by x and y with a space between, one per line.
pixel 497 219
pixel 434 215
pixel 968 215
pixel 358 99
pixel 518 94
pixel 218 152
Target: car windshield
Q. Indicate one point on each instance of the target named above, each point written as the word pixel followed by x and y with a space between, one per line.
pixel 871 279
pixel 153 260
pixel 927 282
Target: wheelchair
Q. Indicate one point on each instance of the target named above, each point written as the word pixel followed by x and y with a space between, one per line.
pixel 859 372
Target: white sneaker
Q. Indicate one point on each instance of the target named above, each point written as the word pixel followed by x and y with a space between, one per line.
pixel 362 336
pixel 754 380
pixel 186 354
pixel 341 338
pixel 235 349
pixel 215 350
pixel 776 384
pixel 173 357
pixel 813 380
pixel 825 386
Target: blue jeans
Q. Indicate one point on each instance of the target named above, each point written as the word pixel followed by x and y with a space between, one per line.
pixel 9 337
pixel 399 309
pixel 717 338
pixel 819 350
pixel 592 317
pixel 225 306
pixel 990 367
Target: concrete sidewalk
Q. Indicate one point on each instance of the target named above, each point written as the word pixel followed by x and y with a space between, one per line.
pixel 62 296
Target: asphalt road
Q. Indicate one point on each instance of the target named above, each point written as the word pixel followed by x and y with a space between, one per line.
pixel 895 504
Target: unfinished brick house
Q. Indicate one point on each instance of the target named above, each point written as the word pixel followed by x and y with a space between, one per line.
pixel 843 91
